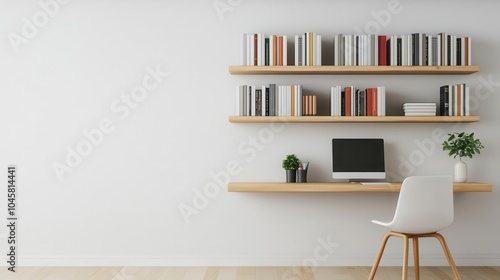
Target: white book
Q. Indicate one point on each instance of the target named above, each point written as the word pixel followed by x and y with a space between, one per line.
pixel 278 100
pixel 342 50
pixel 347 50
pixel 332 101
pixel 404 49
pixel 289 100
pixel 315 54
pixel 453 50
pixel 239 100
pixel 450 101
pixel 249 50
pixel 336 50
pixel 408 50
pixel 307 60
pixel 381 100
pixel 252 50
pixel 243 49
pixel 298 99
pixel 438 50
pixel 318 50
pixel 304 42
pixel 259 49
pixel 271 50
pixel 430 51
pixel 467 101
pixel 394 50
pixel 375 50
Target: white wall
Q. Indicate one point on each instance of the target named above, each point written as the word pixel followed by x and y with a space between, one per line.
pixel 120 204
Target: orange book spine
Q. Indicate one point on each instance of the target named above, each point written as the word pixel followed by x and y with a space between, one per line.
pixel 255 49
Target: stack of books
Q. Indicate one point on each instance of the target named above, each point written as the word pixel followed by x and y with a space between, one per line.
pixel 261 50
pixel 274 100
pixel 350 101
pixel 419 109
pixel 454 100
pixel 308 49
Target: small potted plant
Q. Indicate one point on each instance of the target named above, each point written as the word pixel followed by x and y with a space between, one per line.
pixel 462 144
pixel 291 164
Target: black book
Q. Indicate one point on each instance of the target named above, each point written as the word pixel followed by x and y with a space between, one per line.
pixel 416 49
pixel 267 101
pixel 258 102
pixel 448 58
pixel 342 103
pixel 426 51
pixel 400 51
pixel 459 51
pixel 356 48
pixel 250 99
pixel 388 51
pixel 266 52
pixel 444 105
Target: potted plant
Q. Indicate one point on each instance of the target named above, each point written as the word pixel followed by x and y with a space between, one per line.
pixel 291 164
pixel 462 144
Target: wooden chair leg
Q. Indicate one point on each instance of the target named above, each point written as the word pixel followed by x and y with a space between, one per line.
pixel 405 257
pixel 416 258
pixel 448 255
pixel 379 255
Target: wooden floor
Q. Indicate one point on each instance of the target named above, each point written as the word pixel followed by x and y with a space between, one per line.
pixel 239 273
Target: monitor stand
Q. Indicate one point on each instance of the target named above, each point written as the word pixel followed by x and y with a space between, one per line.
pixel 368 181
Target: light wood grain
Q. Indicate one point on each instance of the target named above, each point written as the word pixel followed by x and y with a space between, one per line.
pixel 354 119
pixel 234 273
pixel 357 70
pixel 339 187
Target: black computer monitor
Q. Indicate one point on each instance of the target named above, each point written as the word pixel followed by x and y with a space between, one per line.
pixel 358 159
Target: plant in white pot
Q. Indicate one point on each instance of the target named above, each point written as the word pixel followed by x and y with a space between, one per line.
pixel 462 145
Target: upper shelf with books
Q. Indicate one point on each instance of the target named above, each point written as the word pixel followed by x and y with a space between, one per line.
pixel 353 70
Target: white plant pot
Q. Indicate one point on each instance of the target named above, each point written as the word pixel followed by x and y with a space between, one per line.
pixel 460 172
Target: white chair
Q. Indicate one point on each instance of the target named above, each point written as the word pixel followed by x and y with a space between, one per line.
pixel 425 206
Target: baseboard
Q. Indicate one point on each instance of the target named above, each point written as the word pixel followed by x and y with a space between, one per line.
pixel 479 260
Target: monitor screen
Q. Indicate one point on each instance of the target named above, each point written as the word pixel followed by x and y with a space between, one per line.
pixel 358 158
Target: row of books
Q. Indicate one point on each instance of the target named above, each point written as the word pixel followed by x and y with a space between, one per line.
pixel 308 49
pixel 417 49
pixel 419 108
pixel 454 100
pixel 261 50
pixel 350 101
pixel 274 100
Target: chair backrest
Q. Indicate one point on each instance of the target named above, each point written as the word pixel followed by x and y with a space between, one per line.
pixel 425 205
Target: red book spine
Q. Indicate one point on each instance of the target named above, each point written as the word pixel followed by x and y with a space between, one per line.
pixel 375 102
pixel 382 50
pixel 347 101
pixel 369 102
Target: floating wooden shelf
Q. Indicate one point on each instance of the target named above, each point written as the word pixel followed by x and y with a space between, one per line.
pixel 352 70
pixel 357 119
pixel 341 187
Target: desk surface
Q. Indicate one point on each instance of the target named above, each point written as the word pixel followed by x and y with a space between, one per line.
pixel 340 187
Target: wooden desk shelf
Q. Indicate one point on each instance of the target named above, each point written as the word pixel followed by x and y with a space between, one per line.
pixel 340 187
pixel 356 119
pixel 352 70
